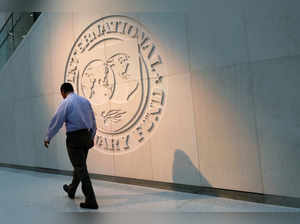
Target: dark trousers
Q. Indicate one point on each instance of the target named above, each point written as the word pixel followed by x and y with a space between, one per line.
pixel 78 144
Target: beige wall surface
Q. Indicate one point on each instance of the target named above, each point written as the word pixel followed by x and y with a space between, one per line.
pixel 222 103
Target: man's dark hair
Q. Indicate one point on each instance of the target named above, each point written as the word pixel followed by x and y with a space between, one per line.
pixel 66 88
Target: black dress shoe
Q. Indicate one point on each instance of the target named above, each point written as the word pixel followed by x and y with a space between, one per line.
pixel 66 189
pixel 89 205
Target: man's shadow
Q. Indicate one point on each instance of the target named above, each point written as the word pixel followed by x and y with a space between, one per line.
pixel 186 178
pixel 185 172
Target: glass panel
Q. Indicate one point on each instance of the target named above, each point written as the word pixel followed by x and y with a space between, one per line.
pixel 4 53
pixel 13 32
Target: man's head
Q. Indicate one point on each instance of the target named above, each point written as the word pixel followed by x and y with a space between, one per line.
pixel 65 89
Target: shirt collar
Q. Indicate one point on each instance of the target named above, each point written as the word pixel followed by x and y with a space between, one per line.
pixel 70 94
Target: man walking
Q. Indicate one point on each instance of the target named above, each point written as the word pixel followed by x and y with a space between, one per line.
pixel 76 112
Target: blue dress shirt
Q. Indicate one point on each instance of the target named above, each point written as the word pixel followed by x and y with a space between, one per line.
pixel 76 112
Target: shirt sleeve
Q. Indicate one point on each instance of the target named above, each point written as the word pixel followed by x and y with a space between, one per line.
pixel 57 121
pixel 93 120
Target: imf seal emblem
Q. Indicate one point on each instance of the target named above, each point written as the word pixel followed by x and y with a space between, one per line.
pixel 117 66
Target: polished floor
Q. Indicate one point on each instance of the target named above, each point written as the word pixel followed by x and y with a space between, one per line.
pixel 36 195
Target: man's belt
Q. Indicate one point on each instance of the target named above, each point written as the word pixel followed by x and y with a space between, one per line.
pixel 78 132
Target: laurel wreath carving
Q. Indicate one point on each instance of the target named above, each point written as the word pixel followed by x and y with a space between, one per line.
pixel 113 115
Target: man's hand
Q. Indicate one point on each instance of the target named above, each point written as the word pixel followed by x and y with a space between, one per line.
pixel 46 143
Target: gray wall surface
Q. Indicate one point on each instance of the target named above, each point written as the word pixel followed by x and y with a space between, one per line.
pixel 231 115
pixel 3 17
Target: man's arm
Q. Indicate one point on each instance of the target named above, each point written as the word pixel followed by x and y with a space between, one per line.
pixel 56 123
